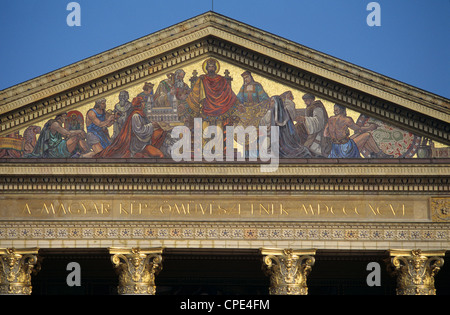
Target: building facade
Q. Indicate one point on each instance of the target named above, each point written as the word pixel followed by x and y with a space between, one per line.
pixel 131 163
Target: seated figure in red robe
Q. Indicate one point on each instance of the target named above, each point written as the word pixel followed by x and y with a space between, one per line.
pixel 211 97
pixel 138 137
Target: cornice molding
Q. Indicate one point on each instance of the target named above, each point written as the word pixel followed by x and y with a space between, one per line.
pixel 125 168
pixel 430 179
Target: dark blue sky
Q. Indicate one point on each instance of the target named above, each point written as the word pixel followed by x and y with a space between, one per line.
pixel 412 44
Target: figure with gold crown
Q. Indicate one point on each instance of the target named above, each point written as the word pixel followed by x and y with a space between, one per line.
pixel 212 98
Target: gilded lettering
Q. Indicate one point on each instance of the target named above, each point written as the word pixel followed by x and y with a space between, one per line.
pixel 71 209
pixel 97 211
pixel 62 208
pixel 377 212
pixel 106 208
pixel 202 210
pixel 235 209
pixel 84 208
pixel 354 210
pixel 26 209
pixel 142 206
pixel 46 209
pixel 268 210
pixel 392 209
pixel 319 208
pixel 182 209
pixel 310 208
pixel 222 210
pixel 161 208
pixel 132 208
pixel 394 212
pixel 330 209
pixel 122 210
pixel 282 210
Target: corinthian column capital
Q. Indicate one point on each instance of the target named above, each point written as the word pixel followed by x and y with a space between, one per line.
pixel 288 270
pixel 415 270
pixel 137 269
pixel 16 266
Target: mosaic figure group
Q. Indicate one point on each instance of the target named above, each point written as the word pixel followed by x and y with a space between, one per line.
pixel 141 127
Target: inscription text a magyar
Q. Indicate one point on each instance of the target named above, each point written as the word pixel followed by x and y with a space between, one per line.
pixel 241 208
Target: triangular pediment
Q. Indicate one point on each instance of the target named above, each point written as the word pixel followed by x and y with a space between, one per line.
pixel 407 117
pixel 71 177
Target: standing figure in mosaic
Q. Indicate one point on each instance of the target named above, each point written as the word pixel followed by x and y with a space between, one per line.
pixel 251 91
pixel 138 138
pixel 121 110
pixel 254 101
pixel 170 99
pixel 75 121
pixel 288 100
pixel 289 142
pixel 30 137
pixel 311 125
pixel 147 96
pixel 254 105
pixel 97 123
pixel 57 142
pixel 172 90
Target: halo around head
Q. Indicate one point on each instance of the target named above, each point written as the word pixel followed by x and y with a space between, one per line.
pixel 208 61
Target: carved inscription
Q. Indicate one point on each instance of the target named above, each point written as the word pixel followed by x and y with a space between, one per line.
pixel 215 208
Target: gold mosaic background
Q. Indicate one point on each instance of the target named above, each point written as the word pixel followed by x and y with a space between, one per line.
pixel 271 87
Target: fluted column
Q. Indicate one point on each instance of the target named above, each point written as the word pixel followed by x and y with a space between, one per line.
pixel 137 269
pixel 415 270
pixel 288 270
pixel 16 266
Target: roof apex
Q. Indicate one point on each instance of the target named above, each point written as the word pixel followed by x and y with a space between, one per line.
pixel 212 24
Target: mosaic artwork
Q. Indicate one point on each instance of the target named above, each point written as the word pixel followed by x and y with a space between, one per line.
pixel 139 122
